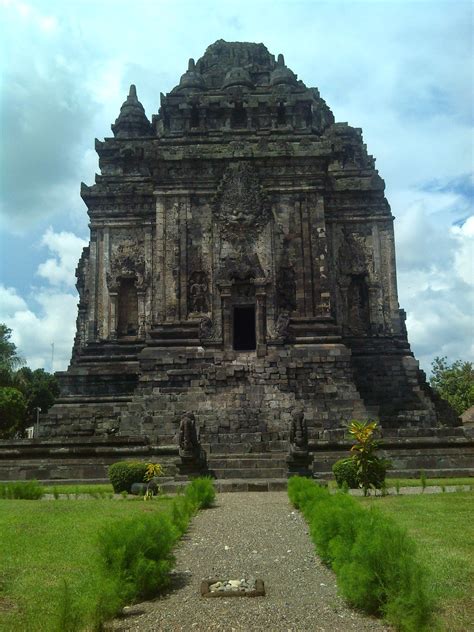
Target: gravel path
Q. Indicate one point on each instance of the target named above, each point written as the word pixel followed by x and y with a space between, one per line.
pixel 249 535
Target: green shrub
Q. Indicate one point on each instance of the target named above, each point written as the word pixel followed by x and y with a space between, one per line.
pixel 302 491
pixel 182 510
pixel 374 559
pixel 123 474
pixel 24 490
pixel 345 471
pixel 423 480
pixel 370 468
pixel 136 555
pixel 201 492
pixel 69 616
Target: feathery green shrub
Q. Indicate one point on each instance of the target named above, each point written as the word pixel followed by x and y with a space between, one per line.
pixel 136 555
pixel 24 490
pixel 136 558
pixel 201 492
pixel 374 559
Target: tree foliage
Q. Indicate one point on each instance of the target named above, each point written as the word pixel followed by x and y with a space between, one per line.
pixel 9 358
pixel 453 382
pixel 22 390
pixel 12 411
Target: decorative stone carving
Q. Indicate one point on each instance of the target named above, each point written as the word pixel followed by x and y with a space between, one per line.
pixel 198 292
pixel 241 268
pixel 241 208
pixel 206 328
pixel 282 324
pixel 353 256
pixel 286 288
pixel 298 434
pixel 188 438
pixel 127 262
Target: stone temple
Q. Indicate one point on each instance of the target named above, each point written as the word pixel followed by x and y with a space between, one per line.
pixel 241 266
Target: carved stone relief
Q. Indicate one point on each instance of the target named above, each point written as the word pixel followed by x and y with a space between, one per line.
pixel 241 207
pixel 206 328
pixel 198 292
pixel 286 288
pixel 353 256
pixel 241 268
pixel 127 262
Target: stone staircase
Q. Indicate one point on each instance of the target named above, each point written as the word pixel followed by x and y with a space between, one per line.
pixel 264 465
pixel 175 334
pixel 246 455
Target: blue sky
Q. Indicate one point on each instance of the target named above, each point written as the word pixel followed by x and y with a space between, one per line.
pixel 402 71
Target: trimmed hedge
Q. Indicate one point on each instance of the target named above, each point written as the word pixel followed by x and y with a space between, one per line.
pixel 123 474
pixel 374 559
pixel 345 472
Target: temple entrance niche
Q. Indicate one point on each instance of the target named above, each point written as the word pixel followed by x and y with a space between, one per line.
pixel 244 328
pixel 127 308
pixel 244 336
pixel 358 304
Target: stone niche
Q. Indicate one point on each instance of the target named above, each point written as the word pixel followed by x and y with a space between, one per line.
pixel 241 266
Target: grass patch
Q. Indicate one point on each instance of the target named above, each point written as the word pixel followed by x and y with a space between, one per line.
pixel 417 482
pixel 95 490
pixel 429 482
pixel 442 526
pixel 25 490
pixel 68 565
pixel 44 544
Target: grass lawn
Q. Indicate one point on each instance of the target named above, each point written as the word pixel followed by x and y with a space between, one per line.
pixel 43 543
pixel 443 527
pixel 430 482
pixel 416 482
pixel 94 489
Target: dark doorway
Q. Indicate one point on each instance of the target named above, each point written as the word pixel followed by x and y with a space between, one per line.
pixel 127 309
pixel 244 328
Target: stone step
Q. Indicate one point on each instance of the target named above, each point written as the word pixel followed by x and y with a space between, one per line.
pixel 236 485
pixel 247 448
pixel 316 340
pixel 258 456
pixel 252 472
pixel 174 342
pixel 246 463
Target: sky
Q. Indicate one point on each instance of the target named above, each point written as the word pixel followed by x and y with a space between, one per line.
pixel 402 71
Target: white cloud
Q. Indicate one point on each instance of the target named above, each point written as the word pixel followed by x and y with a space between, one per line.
pixel 43 319
pixel 47 315
pixel 464 255
pixel 67 249
pixel 10 302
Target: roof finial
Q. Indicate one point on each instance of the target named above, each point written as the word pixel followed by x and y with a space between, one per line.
pixel 133 91
pixel 191 65
pixel 281 60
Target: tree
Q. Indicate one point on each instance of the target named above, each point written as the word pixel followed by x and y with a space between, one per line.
pixel 12 411
pixel 22 390
pixel 9 358
pixel 453 382
pixel 39 388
